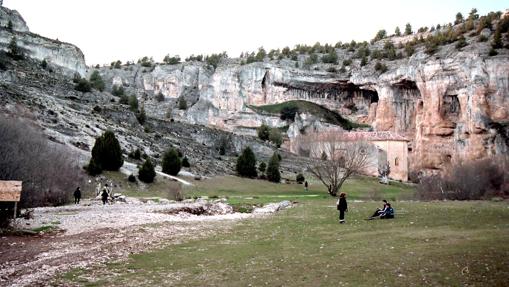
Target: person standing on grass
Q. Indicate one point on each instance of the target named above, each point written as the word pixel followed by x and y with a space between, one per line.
pixel 77 195
pixel 306 185
pixel 342 207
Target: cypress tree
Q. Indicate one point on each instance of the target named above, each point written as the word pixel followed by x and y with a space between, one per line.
pixel 147 173
pixel 246 163
pixel 107 153
pixel 171 162
pixel 273 173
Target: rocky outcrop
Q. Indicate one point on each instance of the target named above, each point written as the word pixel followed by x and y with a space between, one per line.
pixel 64 56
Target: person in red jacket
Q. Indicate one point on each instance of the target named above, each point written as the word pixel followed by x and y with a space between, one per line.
pixel 342 207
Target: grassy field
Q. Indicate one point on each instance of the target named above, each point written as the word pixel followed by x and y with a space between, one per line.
pixel 312 108
pixel 427 244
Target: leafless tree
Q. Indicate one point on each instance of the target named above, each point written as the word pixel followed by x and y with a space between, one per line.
pixel 344 157
pixel 50 171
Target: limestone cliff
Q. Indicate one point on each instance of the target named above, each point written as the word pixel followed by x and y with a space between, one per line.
pixel 452 105
pixel 57 53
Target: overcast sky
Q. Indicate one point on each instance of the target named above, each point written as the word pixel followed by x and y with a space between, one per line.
pixel 108 30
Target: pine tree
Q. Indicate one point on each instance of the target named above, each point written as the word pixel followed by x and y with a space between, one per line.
pixel 397 31
pixel 14 51
pixel 107 153
pixel 147 173
pixel 273 173
pixel 182 103
pixel 97 81
pixel 408 29
pixel 246 163
pixel 185 162
pixel 171 162
pixel 262 167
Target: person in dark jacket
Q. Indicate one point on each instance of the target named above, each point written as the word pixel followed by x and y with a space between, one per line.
pixel 342 207
pixel 104 196
pixel 388 213
pixel 306 185
pixel 379 211
pixel 77 195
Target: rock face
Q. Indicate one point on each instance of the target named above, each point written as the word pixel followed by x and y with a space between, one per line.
pixel 452 105
pixel 59 54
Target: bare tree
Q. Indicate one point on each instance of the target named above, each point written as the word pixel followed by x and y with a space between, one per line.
pixel 50 171
pixel 344 157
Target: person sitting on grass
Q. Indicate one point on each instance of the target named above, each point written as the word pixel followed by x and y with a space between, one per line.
pixel 379 211
pixel 389 212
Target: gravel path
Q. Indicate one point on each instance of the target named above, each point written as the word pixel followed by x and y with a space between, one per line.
pixel 91 234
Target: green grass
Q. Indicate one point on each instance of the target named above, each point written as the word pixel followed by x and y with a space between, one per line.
pixel 427 244
pixel 158 189
pixel 327 115
pixel 45 228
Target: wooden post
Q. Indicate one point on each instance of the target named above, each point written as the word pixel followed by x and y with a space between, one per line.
pixel 15 209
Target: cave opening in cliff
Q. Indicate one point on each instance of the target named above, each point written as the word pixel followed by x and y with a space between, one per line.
pixel 451 106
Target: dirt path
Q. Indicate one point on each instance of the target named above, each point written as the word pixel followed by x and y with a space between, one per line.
pixel 94 234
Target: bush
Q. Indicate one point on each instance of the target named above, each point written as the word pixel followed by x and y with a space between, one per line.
pixel 262 167
pixel 83 86
pixel 117 91
pixel 171 162
pixel 141 116
pixel 263 132
pixel 474 180
pixel 135 154
pixel 215 59
pixel 107 153
pixel 492 52
pixel 288 113
pixel 147 173
pixel 49 170
pixel 182 103
pixel 461 43
pixel 44 64
pixel 380 67
pixel 160 97
pixel 331 57
pixel 275 137
pixel 131 178
pixel 273 173
pixel 185 162
pixel 171 60
pixel 15 52
pixel 133 103
pixel 97 81
pixel 246 163
pixel 300 178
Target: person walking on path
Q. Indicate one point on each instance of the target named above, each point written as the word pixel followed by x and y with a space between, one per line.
pixel 77 195
pixel 104 196
pixel 342 207
pixel 306 185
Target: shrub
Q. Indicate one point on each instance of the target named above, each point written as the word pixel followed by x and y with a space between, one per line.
pixel 300 178
pixel 461 43
pixel 492 52
pixel 380 67
pixel 49 170
pixel 146 62
pixel 15 52
pixel 141 116
pixel 397 32
pixel 83 86
pixel 347 62
pixel 44 64
pixel 275 137
pixel 288 113
pixel 131 178
pixel 273 173
pixel 185 162
pixel 124 100
pixel 107 153
pixel 246 163
pixel 171 162
pixel 97 81
pixel 364 61
pixel 182 103
pixel 133 103
pixel 160 97
pixel 381 34
pixel 473 180
pixel 171 60
pixel 263 132
pixel 262 167
pixel 147 173
pixel 331 57
pixel 135 154
pixel 215 59
pixel 117 91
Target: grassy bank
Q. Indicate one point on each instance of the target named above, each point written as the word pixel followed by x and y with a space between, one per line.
pixel 428 243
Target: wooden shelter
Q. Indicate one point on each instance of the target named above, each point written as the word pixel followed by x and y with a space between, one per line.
pixel 10 191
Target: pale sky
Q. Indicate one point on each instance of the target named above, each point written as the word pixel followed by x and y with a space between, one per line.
pixel 108 30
